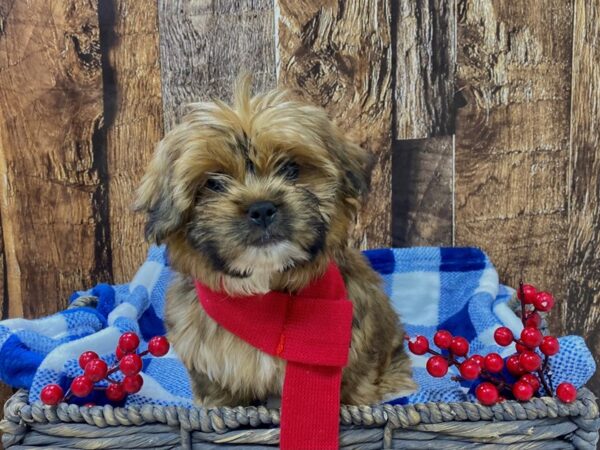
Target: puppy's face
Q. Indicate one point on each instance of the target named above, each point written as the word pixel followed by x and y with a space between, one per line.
pixel 263 187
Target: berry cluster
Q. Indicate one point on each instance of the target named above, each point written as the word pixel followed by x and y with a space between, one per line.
pixel 494 378
pixel 95 370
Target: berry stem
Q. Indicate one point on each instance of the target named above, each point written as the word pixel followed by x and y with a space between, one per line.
pixel 499 382
pixel 452 361
pixel 450 358
pixel 548 372
pixel 145 352
pixel 540 373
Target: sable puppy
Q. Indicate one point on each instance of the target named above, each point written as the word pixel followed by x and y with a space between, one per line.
pixel 260 196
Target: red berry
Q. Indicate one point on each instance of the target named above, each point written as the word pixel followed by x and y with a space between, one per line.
pixel 96 370
pixel 503 336
pixel 543 301
pixel 459 346
pixel 86 357
pixel 533 320
pixel 531 337
pixel 522 390
pixel 115 392
pixel 130 364
pixel 129 342
pixel 478 359
pixel 119 353
pixel 51 394
pixel 81 386
pixel 442 339
pixel 532 380
pixel 513 365
pixel 527 294
pixel 493 363
pixel 133 383
pixel 530 361
pixel 521 348
pixel 566 392
pixel 419 345
pixel 487 393
pixel 469 370
pixel 159 346
pixel 549 346
pixel 437 366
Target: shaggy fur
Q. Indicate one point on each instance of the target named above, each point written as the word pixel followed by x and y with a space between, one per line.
pixel 205 175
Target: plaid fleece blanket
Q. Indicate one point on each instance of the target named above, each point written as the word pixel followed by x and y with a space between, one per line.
pixel 431 288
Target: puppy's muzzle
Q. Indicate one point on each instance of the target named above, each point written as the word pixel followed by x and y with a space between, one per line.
pixel 262 214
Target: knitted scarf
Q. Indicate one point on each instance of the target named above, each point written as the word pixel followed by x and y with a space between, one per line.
pixel 311 330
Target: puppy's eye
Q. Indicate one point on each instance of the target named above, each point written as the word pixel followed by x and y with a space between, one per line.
pixel 290 171
pixel 215 185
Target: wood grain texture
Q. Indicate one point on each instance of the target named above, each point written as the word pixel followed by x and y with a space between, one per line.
pixel 50 162
pixel 512 136
pixel 206 45
pixel 4 307
pixel 132 119
pixel 582 305
pixel 339 55
pixel 422 192
pixel 425 65
pixel 5 391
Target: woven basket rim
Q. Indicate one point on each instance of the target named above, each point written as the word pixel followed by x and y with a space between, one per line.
pixel 223 419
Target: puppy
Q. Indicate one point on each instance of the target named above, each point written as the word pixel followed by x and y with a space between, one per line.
pixel 209 179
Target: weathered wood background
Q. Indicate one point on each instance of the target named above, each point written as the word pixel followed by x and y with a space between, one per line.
pixel 482 115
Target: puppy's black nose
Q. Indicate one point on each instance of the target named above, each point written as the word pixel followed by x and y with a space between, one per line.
pixel 262 213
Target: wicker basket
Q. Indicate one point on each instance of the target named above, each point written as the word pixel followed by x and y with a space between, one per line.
pixel 542 423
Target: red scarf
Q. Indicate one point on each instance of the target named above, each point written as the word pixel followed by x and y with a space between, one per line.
pixel 311 331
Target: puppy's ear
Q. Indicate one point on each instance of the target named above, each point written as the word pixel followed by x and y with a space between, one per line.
pixel 355 165
pixel 155 197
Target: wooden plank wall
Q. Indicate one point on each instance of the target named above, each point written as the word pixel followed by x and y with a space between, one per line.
pixel 424 86
pixel 341 61
pixel 512 136
pixel 482 116
pixel 582 263
pixel 51 162
pixel 205 45
pixel 133 120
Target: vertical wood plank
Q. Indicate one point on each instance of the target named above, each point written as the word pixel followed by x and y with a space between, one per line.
pixel 512 136
pixel 204 46
pixel 132 118
pixel 422 192
pixel 4 307
pixel 5 391
pixel 425 65
pixel 51 160
pixel 582 305
pixel 339 55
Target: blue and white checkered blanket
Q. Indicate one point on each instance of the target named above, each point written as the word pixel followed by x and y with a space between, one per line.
pixel 431 288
